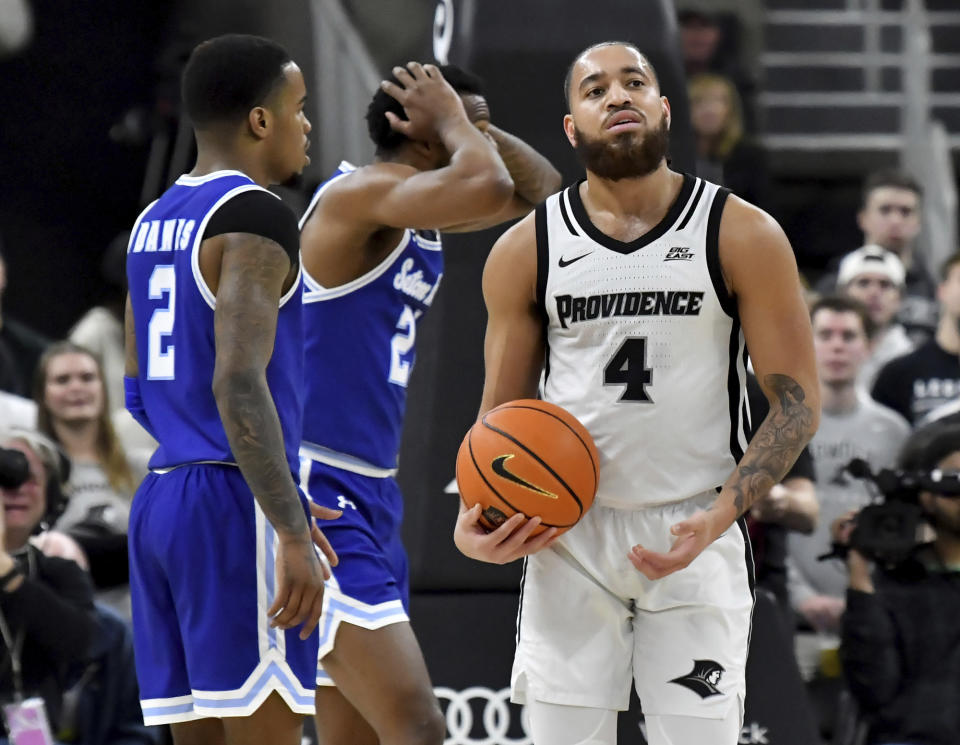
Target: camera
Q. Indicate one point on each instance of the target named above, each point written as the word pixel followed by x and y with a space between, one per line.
pixel 14 468
pixel 887 529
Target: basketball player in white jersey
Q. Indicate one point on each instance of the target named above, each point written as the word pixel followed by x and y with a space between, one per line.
pixel 639 290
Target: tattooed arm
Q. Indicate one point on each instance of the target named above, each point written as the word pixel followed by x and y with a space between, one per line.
pixel 760 274
pixel 253 272
pixel 778 442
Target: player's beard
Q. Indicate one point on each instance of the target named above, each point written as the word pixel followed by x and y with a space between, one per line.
pixel 627 155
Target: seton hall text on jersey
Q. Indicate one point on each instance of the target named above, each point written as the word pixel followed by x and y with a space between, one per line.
pixel 163 235
pixel 412 284
pixel 649 303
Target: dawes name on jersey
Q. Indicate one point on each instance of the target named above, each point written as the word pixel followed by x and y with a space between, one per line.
pixel 163 236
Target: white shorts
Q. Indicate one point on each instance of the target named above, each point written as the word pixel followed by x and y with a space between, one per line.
pixel 589 621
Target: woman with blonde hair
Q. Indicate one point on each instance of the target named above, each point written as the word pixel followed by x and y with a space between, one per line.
pixel 724 154
pixel 72 409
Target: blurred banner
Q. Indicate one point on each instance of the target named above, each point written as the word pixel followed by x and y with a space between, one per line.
pixel 521 48
pixel 468 642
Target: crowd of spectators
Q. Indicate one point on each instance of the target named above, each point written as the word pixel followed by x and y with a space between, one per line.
pixel 887 342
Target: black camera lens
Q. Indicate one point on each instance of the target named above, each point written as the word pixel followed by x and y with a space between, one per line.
pixel 14 468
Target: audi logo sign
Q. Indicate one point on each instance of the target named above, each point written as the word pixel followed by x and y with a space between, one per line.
pixel 482 716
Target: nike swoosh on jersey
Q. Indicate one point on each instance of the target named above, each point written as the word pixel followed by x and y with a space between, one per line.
pixel 567 262
pixel 501 470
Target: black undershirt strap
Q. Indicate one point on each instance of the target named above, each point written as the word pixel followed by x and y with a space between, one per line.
pixel 259 213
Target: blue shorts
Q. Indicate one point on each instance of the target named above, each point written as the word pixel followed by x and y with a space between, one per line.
pixel 202 576
pixel 370 585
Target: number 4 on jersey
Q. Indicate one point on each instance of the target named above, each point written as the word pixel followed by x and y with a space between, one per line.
pixel 628 367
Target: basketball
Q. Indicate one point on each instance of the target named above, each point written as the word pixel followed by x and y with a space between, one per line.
pixel 532 457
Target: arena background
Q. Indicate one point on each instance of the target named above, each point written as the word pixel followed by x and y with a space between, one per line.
pixel 93 132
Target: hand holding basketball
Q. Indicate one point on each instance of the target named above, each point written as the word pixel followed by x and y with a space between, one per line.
pixel 531 458
pixel 514 539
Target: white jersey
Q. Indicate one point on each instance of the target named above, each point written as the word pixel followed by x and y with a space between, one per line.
pixel 644 346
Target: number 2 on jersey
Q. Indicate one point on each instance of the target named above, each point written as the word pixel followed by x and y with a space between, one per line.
pixel 400 346
pixel 628 367
pixel 163 280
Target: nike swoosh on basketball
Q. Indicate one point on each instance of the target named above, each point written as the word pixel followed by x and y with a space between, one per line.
pixel 500 469
pixel 567 262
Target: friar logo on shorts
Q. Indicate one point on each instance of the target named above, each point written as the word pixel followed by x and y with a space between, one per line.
pixel 703 679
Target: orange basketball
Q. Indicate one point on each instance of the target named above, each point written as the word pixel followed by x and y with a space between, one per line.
pixel 532 457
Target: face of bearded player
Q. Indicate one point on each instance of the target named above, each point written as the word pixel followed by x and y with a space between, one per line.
pixel 618 123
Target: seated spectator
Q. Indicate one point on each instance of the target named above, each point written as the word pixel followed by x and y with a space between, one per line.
pixel 724 155
pixel 46 603
pixel 890 217
pixel 875 277
pixel 851 426
pixel 928 377
pixel 20 348
pixel 94 697
pixel 901 639
pixel 72 410
pixel 790 505
pixel 709 43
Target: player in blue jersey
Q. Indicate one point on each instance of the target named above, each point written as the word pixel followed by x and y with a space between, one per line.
pixel 226 584
pixel 372 263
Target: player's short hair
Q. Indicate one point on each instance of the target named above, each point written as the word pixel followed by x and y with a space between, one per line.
pixel 228 75
pixel 846 304
pixel 948 265
pixel 889 178
pixel 385 137
pixel 568 78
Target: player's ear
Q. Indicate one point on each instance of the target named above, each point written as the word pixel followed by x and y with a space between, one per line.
pixel 259 121
pixel 666 109
pixel 570 129
pixel 424 149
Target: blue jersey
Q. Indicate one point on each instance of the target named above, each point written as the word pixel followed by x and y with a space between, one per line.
pixel 174 308
pixel 360 346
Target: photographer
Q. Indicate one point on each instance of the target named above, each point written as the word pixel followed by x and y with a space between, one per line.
pixel 46 603
pixel 901 630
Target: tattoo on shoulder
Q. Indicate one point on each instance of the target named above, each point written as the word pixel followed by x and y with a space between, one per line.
pixel 776 444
